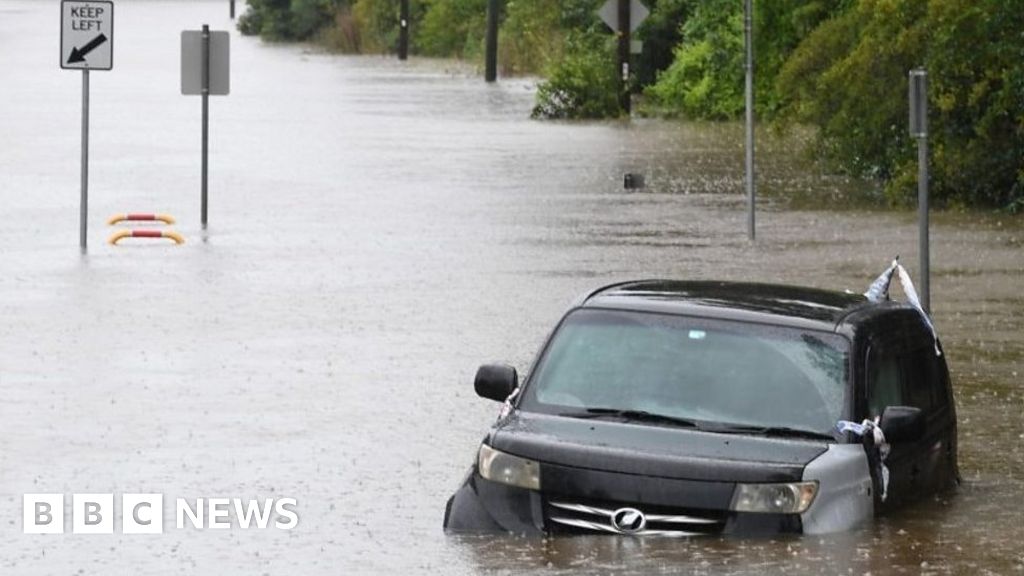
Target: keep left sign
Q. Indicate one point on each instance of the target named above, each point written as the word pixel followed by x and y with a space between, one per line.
pixel 87 35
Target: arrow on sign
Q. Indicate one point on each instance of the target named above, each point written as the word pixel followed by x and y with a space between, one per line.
pixel 78 55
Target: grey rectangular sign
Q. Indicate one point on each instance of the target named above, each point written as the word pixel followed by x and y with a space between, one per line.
pixel 918 103
pixel 192 63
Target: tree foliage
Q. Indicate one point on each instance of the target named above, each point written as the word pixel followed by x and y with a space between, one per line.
pixel 452 28
pixel 705 78
pixel 849 78
pixel 583 83
pixel 287 19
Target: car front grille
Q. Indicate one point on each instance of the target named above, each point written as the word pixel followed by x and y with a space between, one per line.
pixel 632 520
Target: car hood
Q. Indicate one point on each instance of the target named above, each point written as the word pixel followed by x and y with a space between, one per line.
pixel 654 450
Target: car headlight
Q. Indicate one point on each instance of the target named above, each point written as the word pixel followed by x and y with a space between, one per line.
pixel 787 498
pixel 497 466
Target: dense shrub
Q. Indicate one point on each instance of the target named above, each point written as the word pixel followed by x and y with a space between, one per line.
pixel 660 33
pixel 452 28
pixel 706 78
pixel 583 83
pixel 287 19
pixel 849 78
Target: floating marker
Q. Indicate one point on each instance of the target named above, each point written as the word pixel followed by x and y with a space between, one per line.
pixel 633 181
pixel 116 218
pixel 122 234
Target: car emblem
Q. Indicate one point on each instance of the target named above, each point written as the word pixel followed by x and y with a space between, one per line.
pixel 629 520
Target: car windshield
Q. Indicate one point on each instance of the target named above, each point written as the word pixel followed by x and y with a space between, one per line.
pixel 723 375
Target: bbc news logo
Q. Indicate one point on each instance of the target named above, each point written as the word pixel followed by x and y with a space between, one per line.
pixel 144 513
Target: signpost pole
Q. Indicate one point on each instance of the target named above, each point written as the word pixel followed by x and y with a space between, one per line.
pixel 83 223
pixel 922 202
pixel 206 116
pixel 919 129
pixel 403 31
pixel 623 52
pixel 748 32
pixel 232 9
pixel 86 44
pixel 491 72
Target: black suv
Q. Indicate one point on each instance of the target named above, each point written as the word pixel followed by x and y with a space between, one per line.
pixel 681 408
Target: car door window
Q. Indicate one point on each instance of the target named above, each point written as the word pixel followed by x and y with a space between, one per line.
pixel 920 379
pixel 885 383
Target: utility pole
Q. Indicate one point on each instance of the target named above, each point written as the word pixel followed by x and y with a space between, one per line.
pixel 623 53
pixel 403 31
pixel 491 57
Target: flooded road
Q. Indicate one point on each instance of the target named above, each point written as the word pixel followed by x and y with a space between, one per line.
pixel 377 231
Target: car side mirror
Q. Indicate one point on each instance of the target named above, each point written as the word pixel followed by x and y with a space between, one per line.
pixel 495 381
pixel 902 424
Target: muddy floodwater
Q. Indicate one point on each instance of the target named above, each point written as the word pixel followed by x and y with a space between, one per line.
pixel 377 230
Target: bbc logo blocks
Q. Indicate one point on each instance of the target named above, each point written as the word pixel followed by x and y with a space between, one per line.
pixel 93 513
pixel 43 513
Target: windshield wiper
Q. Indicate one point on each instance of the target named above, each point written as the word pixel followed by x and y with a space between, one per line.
pixel 633 416
pixel 775 431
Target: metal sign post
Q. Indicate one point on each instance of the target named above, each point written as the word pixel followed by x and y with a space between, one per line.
pixel 83 205
pixel 623 17
pixel 206 118
pixel 918 92
pixel 623 53
pixel 86 43
pixel 205 71
pixel 748 33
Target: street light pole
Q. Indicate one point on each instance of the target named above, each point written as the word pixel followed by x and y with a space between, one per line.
pixel 919 130
pixel 748 32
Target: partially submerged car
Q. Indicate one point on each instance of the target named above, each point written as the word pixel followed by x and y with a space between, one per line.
pixel 684 408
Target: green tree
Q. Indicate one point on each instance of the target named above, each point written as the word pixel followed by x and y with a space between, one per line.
pixel 849 78
pixel 452 28
pixel 705 79
pixel 288 19
pixel 583 83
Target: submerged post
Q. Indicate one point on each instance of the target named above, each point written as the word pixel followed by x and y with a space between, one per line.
pixel 919 129
pixel 623 53
pixel 205 72
pixel 86 44
pixel 748 33
pixel 206 118
pixel 403 30
pixel 491 56
pixel 83 217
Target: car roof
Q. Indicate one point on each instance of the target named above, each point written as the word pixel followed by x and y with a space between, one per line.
pixel 801 307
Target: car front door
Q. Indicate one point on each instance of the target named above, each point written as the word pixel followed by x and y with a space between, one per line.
pixel 892 379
